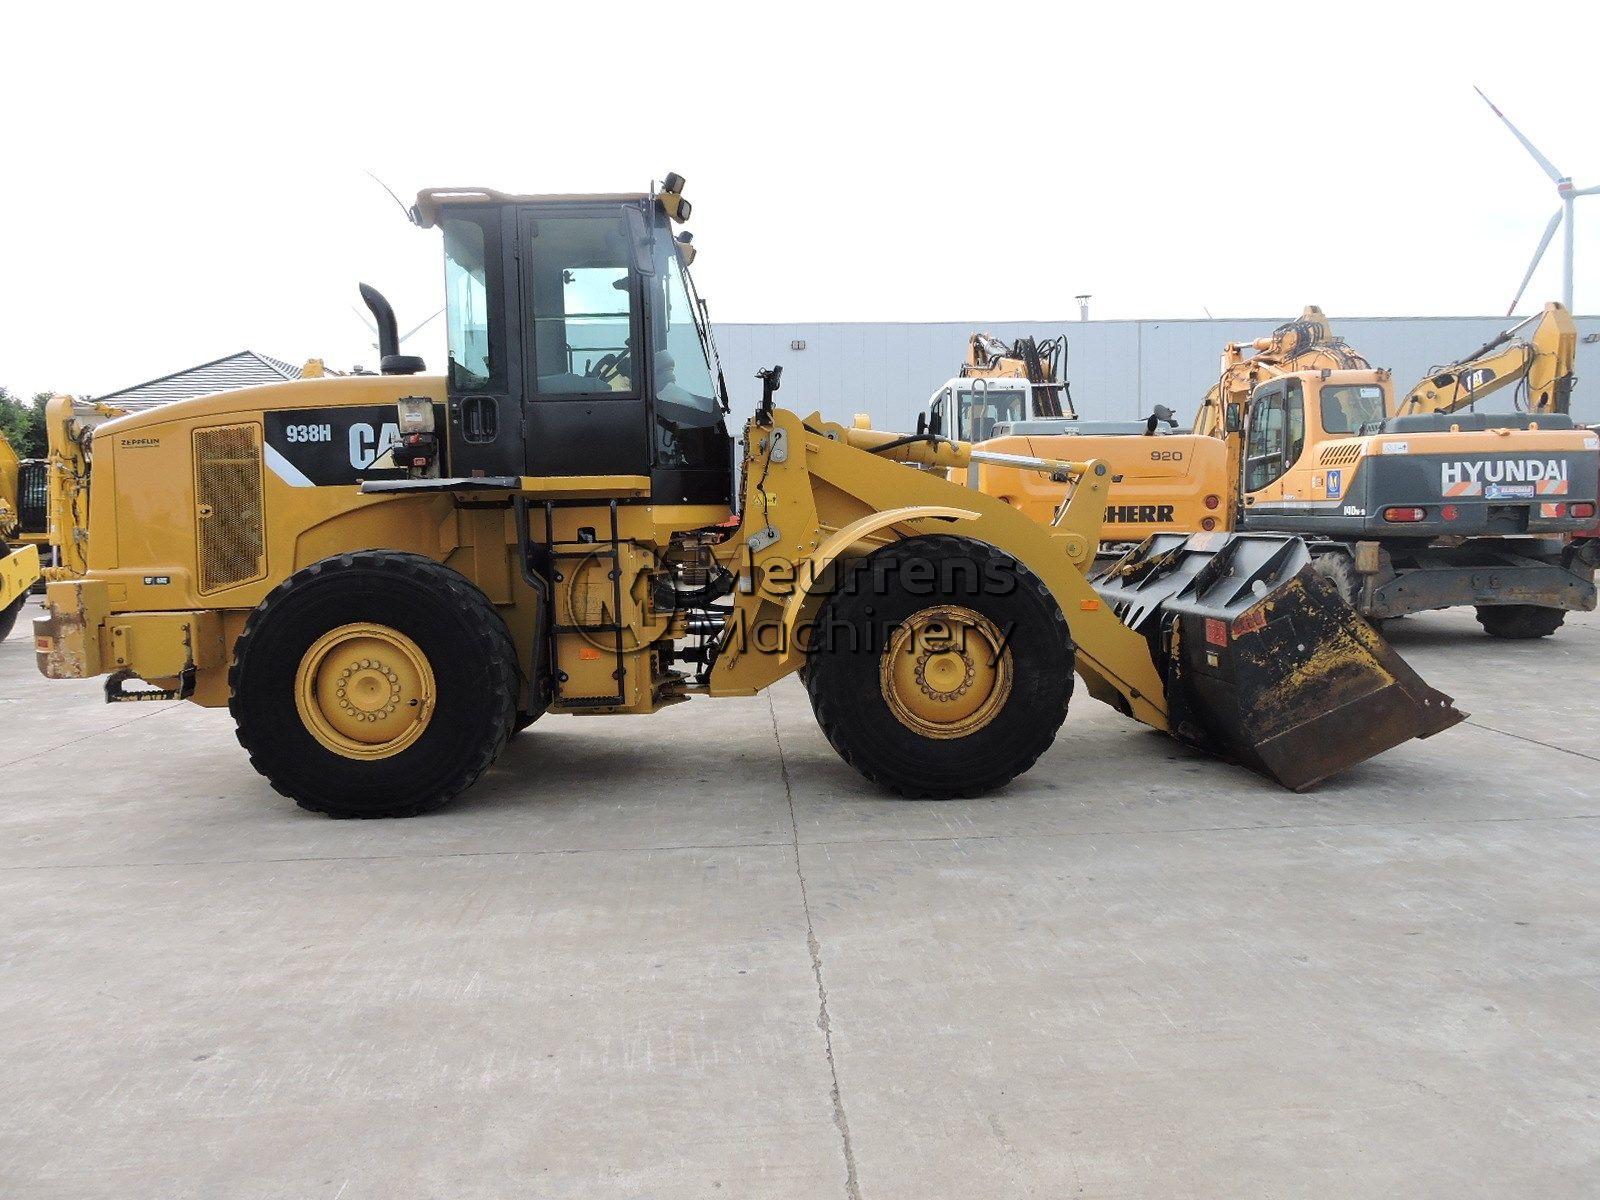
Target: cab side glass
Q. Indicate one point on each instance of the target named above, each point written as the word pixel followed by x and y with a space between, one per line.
pixel 582 307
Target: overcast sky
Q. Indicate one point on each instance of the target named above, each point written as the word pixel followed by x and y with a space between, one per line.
pixel 181 184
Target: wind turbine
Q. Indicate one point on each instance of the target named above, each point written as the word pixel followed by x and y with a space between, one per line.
pixel 1568 195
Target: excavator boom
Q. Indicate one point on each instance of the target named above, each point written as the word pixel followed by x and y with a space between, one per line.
pixel 1540 361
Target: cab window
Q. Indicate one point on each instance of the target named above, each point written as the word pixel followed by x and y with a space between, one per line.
pixel 471 276
pixel 1277 434
pixel 582 297
pixel 977 412
pixel 684 386
pixel 1347 407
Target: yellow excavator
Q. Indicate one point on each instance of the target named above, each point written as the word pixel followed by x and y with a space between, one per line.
pixel 22 532
pixel 1407 506
pixel 384 577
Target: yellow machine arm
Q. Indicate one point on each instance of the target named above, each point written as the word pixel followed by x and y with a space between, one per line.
pixel 1542 357
pixel 1304 344
pixel 1042 364
pixel 69 426
pixel 10 471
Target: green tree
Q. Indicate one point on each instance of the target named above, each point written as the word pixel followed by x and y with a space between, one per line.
pixel 22 421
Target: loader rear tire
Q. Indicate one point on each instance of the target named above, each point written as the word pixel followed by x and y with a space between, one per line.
pixel 374 684
pixel 931 718
pixel 1520 621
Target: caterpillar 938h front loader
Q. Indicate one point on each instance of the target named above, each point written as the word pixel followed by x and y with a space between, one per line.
pixel 385 577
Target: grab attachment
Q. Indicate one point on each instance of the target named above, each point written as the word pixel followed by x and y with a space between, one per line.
pixel 1263 662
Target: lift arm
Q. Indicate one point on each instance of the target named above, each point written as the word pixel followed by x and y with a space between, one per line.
pixel 1543 357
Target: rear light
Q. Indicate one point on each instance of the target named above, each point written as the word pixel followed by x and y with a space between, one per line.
pixel 1213 501
pixel 1581 509
pixel 1405 516
pixel 1449 512
pixel 1556 510
pixel 1208 523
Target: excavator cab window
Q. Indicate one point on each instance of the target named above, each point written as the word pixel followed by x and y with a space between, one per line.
pixel 977 413
pixel 1347 407
pixel 939 415
pixel 1277 433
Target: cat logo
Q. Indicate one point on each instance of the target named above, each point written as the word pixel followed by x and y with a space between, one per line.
pixel 1139 514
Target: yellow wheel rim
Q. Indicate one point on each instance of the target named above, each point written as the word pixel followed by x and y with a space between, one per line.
pixel 946 672
pixel 365 691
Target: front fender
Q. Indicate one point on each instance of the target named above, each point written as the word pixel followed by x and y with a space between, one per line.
pixel 807 595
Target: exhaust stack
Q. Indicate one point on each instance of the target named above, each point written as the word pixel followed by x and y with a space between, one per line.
pixel 390 360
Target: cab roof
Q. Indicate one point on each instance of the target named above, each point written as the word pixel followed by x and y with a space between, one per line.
pixel 430 201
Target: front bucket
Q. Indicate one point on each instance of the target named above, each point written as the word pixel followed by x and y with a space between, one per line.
pixel 1264 663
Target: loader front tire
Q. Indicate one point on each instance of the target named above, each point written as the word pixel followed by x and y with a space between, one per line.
pixel 374 684
pixel 1520 621
pixel 9 615
pixel 941 667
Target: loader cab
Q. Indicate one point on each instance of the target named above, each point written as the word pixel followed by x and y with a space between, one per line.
pixel 577 344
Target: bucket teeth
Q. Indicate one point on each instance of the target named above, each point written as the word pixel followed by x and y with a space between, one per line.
pixel 1264 664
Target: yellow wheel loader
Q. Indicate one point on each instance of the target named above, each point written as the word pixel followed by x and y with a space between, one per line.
pixel 1407 506
pixel 385 577
pixel 22 532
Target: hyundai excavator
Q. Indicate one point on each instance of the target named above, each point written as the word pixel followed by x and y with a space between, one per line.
pixel 1408 505
pixel 385 577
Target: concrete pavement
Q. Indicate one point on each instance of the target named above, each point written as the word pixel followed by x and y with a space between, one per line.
pixel 694 955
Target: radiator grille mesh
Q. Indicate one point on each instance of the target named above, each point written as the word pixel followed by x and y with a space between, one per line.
pixel 227 485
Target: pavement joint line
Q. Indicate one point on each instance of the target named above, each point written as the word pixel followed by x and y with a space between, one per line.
pixel 912 840
pixel 156 711
pixel 1522 737
pixel 852 1184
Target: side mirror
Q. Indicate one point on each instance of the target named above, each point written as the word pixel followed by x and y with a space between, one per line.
pixel 922 424
pixel 936 423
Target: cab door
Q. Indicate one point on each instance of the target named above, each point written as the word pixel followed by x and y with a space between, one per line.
pixel 1274 440
pixel 584 370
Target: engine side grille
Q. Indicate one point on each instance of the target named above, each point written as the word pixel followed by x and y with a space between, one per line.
pixel 1339 454
pixel 227 489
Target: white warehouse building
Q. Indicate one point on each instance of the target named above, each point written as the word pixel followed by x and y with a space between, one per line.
pixel 1118 369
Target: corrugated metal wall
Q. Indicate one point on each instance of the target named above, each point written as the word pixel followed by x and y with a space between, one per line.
pixel 1119 369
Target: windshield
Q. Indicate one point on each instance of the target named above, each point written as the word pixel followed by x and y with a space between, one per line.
pixel 686 386
pixel 470 251
pixel 978 412
pixel 1347 407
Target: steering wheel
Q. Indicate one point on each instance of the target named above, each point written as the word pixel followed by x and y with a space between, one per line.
pixel 612 365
